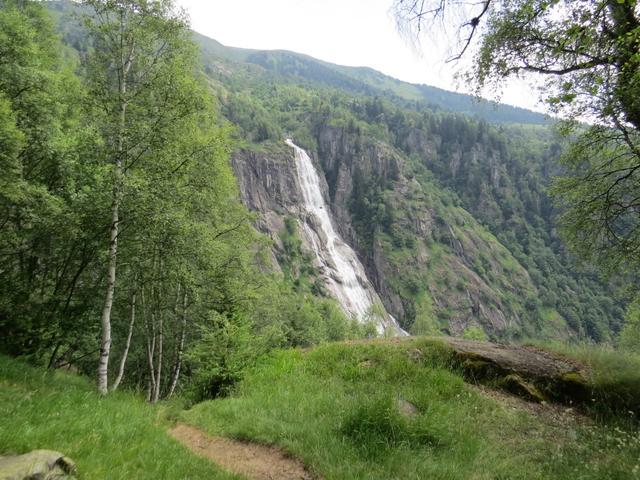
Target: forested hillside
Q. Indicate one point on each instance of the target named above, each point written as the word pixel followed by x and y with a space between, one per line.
pixel 125 247
pixel 462 200
pixel 298 68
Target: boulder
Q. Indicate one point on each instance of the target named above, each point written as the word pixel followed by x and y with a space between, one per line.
pixel 406 408
pixel 527 371
pixel 37 465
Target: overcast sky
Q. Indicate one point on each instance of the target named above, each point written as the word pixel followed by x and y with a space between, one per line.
pixel 346 32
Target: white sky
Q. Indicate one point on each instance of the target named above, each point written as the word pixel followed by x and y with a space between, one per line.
pixel 346 32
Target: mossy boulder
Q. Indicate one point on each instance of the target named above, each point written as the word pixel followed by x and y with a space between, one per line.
pixel 526 371
pixel 518 386
pixel 37 465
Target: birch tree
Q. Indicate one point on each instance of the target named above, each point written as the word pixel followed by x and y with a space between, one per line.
pixel 141 76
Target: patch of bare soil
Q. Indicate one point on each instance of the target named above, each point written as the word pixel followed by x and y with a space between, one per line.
pixel 254 461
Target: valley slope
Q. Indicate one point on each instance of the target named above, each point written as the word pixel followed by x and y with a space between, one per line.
pixel 447 211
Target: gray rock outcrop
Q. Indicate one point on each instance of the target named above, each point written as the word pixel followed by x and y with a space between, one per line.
pixel 37 465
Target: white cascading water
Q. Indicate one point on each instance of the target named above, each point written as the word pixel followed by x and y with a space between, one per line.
pixel 344 274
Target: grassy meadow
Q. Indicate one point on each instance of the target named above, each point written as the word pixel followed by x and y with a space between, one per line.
pixel 116 437
pixel 339 408
pixel 380 410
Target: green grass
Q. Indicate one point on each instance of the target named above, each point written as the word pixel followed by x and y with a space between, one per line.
pixel 117 437
pixel 336 407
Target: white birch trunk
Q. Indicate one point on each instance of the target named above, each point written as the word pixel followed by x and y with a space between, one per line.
pixel 105 339
pixel 156 393
pixel 151 346
pixel 176 370
pixel 123 361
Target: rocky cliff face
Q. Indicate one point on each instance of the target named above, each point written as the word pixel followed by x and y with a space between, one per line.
pixel 278 188
pixel 462 291
pixel 342 157
pixel 434 267
pixel 269 187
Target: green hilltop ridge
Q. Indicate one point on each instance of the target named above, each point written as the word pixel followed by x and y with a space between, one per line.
pixel 366 81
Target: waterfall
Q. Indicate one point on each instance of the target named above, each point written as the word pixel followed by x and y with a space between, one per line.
pixel 343 273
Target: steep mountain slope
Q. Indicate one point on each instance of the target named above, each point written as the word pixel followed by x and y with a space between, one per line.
pixel 448 214
pixel 429 285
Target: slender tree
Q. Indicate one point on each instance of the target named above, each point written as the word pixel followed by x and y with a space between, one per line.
pixel 127 346
pixel 141 75
pixel 175 376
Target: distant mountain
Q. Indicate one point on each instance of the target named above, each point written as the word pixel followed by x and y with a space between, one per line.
pixel 367 81
pixel 298 67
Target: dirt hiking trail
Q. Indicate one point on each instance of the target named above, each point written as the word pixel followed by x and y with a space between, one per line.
pixel 254 461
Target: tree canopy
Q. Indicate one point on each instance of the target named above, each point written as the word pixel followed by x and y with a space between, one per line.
pixel 122 234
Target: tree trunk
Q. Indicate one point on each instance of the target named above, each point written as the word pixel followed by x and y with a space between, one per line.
pixel 627 62
pixel 151 347
pixel 123 361
pixel 118 177
pixel 52 359
pixel 156 393
pixel 105 340
pixel 178 364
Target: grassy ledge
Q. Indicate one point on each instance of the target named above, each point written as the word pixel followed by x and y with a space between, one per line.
pixel 339 408
pixel 380 410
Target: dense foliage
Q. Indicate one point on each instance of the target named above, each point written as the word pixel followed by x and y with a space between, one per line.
pixel 121 228
pixel 585 54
